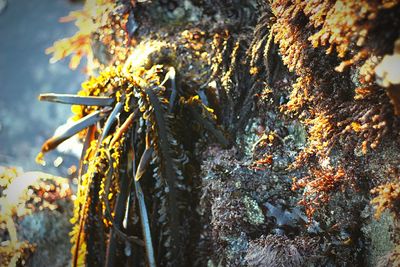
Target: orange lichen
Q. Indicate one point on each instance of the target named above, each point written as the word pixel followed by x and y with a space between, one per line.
pixel 300 94
pixel 262 163
pixel 388 198
pixel 318 187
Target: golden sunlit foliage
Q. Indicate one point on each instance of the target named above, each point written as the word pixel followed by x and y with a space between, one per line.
pixel 99 25
pixel 388 198
pixel 143 113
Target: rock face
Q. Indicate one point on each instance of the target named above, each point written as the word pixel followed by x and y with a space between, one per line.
pixel 290 154
pixel 252 217
pixel 49 232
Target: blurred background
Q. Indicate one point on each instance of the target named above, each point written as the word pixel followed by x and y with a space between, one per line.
pixel 27 28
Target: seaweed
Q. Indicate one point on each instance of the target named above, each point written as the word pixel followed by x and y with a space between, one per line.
pixel 309 86
pixel 144 107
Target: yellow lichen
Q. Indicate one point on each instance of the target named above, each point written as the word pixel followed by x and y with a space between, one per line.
pixel 318 186
pixel 388 198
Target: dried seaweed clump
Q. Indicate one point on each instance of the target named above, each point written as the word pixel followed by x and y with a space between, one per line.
pixel 142 110
pixel 138 126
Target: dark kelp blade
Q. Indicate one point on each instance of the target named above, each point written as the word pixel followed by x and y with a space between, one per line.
pixel 169 173
pixel 145 225
pixel 143 163
pixel 119 212
pixel 73 129
pixel 110 120
pixel 100 101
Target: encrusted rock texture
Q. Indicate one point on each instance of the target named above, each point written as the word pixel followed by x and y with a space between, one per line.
pixel 312 178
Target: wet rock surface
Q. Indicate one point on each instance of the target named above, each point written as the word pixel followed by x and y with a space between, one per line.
pixel 251 215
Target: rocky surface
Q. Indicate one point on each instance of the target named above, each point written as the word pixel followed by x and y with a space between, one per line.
pixel 311 130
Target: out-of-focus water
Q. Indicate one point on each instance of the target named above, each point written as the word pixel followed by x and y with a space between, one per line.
pixel 27 28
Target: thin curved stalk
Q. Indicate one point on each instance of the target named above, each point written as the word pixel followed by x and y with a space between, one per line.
pixel 74 128
pixel 100 101
pixel 145 225
pixel 109 122
pixel 119 216
pixel 124 127
pixel 107 212
pixel 171 75
pixel 144 163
